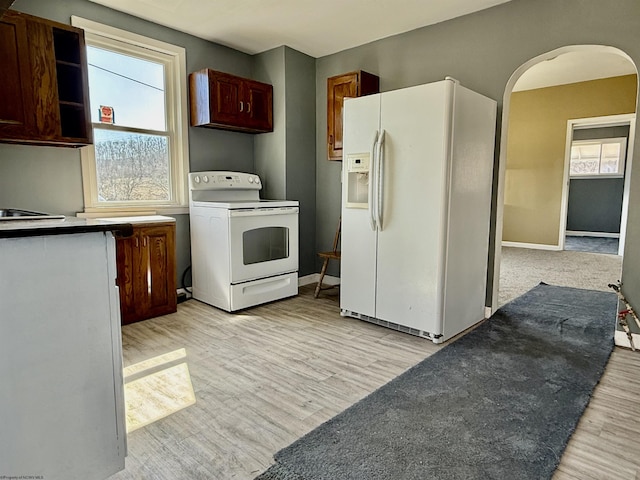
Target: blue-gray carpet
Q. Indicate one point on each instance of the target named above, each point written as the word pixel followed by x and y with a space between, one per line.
pixel 501 402
pixel 591 244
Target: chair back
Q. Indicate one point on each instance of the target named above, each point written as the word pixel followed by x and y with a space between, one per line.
pixel 336 239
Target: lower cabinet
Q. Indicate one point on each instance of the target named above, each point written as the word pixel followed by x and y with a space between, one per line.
pixel 147 272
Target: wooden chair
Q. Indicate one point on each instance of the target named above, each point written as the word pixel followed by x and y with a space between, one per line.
pixel 334 254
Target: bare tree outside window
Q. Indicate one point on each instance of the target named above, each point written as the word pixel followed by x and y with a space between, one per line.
pixel 131 166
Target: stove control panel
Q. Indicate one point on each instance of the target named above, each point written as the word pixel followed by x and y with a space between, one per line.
pixel 215 180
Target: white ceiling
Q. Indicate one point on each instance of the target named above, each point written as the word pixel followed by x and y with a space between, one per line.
pixel 314 27
pixel 572 67
pixel 323 27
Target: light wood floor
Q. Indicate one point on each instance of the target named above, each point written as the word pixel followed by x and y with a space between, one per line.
pixel 263 378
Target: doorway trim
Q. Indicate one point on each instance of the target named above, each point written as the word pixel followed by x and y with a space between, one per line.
pixel 502 160
pixel 594 122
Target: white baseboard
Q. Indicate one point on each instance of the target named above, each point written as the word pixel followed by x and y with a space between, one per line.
pixel 330 280
pixel 535 246
pixel 314 277
pixel 308 279
pixel 575 233
pixel 622 340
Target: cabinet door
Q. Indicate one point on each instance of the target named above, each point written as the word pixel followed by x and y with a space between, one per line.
pixel 45 85
pixel 159 274
pixel 225 98
pixel 337 88
pixel 17 112
pixel 258 106
pixel 126 258
pixel 353 84
pixel 147 272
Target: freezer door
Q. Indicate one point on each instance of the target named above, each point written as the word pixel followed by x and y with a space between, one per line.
pixel 410 243
pixel 469 211
pixel 359 240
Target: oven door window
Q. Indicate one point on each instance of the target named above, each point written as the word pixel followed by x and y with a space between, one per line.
pixel 265 244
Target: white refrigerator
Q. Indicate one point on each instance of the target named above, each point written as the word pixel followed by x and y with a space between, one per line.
pixel 416 204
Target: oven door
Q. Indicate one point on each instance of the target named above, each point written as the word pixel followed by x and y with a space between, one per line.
pixel 263 242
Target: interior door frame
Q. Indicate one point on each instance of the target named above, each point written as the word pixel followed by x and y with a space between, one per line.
pixel 595 122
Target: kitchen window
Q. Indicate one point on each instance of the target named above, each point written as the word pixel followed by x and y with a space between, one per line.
pixel 137 89
pixel 598 158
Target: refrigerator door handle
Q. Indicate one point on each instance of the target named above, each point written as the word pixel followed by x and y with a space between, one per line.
pixel 372 176
pixel 380 179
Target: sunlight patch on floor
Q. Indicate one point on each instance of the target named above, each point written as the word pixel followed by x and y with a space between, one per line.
pixel 156 388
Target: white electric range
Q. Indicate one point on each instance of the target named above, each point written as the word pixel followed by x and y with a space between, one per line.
pixel 244 250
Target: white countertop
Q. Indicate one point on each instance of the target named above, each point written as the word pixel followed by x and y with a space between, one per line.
pixel 138 219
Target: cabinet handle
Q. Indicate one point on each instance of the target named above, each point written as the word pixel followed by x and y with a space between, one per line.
pixel 330 139
pixel 144 241
pixel 137 244
pixel 241 107
pixel 248 107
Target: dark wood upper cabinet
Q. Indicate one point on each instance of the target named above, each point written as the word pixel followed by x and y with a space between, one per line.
pixel 221 100
pixel 43 83
pixel 352 84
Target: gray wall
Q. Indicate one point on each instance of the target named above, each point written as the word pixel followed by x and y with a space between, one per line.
pixel 482 50
pixel 285 158
pixel 601 132
pixel 301 149
pixel 41 178
pixel 270 148
pixel 595 204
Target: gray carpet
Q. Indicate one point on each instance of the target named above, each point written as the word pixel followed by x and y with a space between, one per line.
pixel 521 269
pixel 501 402
pixel 591 244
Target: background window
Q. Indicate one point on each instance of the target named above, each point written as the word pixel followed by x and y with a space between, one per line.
pixel 598 158
pixel 137 91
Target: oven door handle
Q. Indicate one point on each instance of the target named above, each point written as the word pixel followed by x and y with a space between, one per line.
pixel 260 212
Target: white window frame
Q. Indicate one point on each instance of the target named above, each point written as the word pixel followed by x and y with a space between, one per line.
pixel 622 141
pixel 174 59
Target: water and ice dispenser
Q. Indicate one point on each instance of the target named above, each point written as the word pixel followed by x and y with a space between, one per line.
pixel 358 175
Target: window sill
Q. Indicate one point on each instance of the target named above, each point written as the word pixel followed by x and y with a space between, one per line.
pixel 595 177
pixel 131 212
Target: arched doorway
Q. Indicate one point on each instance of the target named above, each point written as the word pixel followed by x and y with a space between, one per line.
pixel 556 175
